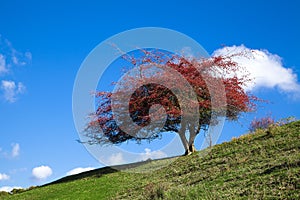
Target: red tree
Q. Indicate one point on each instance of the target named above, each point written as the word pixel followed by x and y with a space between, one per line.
pixel 191 93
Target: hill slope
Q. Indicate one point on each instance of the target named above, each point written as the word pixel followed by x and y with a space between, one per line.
pixel 262 165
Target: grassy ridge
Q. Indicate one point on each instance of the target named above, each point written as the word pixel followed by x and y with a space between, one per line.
pixel 261 165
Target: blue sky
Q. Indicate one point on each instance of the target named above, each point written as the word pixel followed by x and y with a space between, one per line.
pixel 44 43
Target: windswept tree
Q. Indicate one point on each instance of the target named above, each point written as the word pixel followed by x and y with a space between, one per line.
pixel 165 92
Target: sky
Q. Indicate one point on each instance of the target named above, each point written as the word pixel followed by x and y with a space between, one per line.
pixel 43 44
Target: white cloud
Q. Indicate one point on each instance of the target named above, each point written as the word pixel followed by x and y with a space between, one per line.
pixel 9 188
pixel 152 154
pixel 15 150
pixel 41 172
pixel 115 159
pixel 79 170
pixel 4 177
pixel 265 69
pixel 11 90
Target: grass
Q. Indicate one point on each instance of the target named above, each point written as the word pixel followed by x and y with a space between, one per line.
pixel 260 165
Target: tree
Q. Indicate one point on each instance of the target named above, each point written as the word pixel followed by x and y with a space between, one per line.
pixel 191 93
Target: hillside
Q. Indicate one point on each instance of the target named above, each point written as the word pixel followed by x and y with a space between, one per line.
pixel 260 165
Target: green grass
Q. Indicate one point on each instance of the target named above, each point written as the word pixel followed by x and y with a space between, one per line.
pixel 260 165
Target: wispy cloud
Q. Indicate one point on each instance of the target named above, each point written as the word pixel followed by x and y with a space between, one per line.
pixel 9 59
pixel 266 69
pixel 79 170
pixel 11 90
pixel 41 172
pixel 18 170
pixel 3 68
pixel 4 177
pixel 15 150
pixel 13 56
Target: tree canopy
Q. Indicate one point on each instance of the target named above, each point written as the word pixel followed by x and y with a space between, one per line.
pixel 165 92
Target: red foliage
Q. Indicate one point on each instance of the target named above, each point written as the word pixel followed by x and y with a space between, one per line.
pixel 201 74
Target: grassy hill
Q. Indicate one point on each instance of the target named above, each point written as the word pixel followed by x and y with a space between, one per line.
pixel 260 165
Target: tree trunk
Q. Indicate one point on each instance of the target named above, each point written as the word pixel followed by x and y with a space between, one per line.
pixel 192 148
pixel 185 144
pixel 193 134
pixel 187 152
pixel 188 144
pixel 184 141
